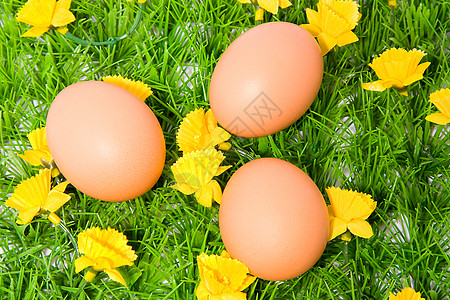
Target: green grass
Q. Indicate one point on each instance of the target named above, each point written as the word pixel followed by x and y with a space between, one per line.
pixel 377 143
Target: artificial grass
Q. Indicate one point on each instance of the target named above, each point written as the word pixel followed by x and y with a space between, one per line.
pixel 375 142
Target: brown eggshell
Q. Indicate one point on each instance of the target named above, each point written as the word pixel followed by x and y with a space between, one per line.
pixel 274 219
pixel 105 140
pixel 266 79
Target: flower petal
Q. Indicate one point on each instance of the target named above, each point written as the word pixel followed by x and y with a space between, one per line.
pixel 376 86
pixel 204 195
pixel 62 17
pixel 216 191
pixel 55 200
pixel 438 118
pixel 269 5
pixel 361 228
pixel 35 32
pixel 312 29
pixel 82 263
pixel 116 276
pixel 347 38
pixel 326 42
pixel 184 188
pixel 337 227
pixel 26 215
pixel 138 88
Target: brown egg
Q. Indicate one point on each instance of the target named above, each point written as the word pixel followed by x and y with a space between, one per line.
pixel 105 140
pixel 274 219
pixel 266 79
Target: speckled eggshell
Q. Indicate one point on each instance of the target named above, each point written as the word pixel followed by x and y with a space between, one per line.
pixel 274 219
pixel 105 140
pixel 266 79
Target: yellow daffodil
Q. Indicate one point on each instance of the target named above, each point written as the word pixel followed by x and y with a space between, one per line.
pixel 393 3
pixel 194 173
pixel 406 294
pixel 397 68
pixel 138 88
pixel 349 210
pixel 104 250
pixel 441 99
pixel 40 155
pixel 269 5
pixel 222 278
pixel 34 196
pixel 45 14
pixel 199 131
pixel 139 1
pixel 332 23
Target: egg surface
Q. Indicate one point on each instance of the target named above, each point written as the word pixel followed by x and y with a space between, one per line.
pixel 274 219
pixel 105 140
pixel 266 79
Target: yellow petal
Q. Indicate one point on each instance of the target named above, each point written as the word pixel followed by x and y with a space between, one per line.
pixel 37 13
pixel 392 3
pixel 376 86
pixel 269 5
pixel 326 42
pixel 38 139
pixel 438 118
pixel 348 205
pixel 314 18
pixel 441 99
pixel 216 191
pixel 259 14
pixel 64 4
pixel 312 29
pixel 63 30
pixel 116 276
pixel 245 1
pixel 284 3
pixel 184 188
pixel 35 32
pixel 221 169
pixel 31 193
pixel 204 195
pixel 406 294
pixel 62 16
pixel 55 200
pixel 218 135
pixel 26 215
pixel 82 263
pixel 138 88
pixel 33 157
pixel 202 292
pixel 337 227
pixel 62 186
pixel 360 228
pixel 347 38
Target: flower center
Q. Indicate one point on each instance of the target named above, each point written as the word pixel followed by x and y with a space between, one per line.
pixel 225 280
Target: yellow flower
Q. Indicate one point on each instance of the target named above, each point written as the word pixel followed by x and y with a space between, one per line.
pixel 45 14
pixel 104 250
pixel 393 3
pixel 269 5
pixel 397 68
pixel 441 99
pixel 199 131
pixel 194 173
pixel 33 197
pixel 349 210
pixel 139 1
pixel 138 88
pixel 406 294
pixel 40 155
pixel 222 278
pixel 333 23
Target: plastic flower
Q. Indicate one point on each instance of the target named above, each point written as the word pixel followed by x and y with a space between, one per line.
pixel 194 173
pixel 138 88
pixel 139 1
pixel 104 250
pixel 406 294
pixel 34 196
pixel 333 23
pixel 199 131
pixel 222 278
pixel 393 3
pixel 349 210
pixel 269 5
pixel 441 99
pixel 397 68
pixel 45 14
pixel 40 155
